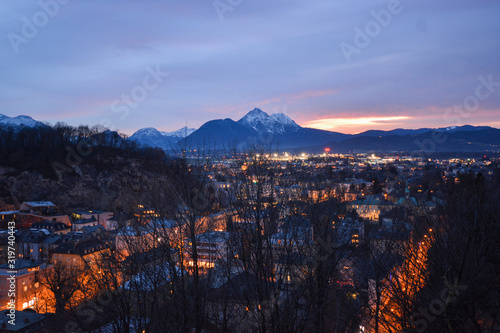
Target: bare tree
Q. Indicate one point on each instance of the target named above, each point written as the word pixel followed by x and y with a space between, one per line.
pixel 64 284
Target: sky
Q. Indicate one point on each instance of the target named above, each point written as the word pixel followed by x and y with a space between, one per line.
pixel 335 65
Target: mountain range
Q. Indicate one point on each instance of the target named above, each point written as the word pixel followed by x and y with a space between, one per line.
pixel 165 140
pixel 257 128
pixel 279 132
pixel 19 122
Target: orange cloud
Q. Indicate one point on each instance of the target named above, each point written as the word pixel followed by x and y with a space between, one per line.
pixel 356 124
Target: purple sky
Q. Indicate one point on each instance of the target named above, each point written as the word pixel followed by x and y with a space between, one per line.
pixel 281 56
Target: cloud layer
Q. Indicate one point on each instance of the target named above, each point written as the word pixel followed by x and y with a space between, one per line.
pixel 407 64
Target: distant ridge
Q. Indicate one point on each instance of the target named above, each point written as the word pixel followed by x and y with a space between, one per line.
pixel 282 133
pixel 259 128
pixel 19 122
pixel 459 139
pixel 151 137
pixel 279 132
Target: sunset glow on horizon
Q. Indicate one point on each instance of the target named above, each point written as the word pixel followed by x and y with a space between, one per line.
pixel 356 124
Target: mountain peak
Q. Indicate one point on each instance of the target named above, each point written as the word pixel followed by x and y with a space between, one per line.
pixel 257 111
pixel 151 137
pixel 181 133
pixel 284 119
pixel 253 116
pixel 259 120
pixel 19 121
pixel 146 131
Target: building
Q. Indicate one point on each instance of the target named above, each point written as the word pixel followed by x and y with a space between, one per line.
pixel 142 238
pixel 349 231
pixel 370 207
pixel 58 228
pixel 79 224
pixel 100 216
pixel 145 214
pixel 38 207
pixel 26 322
pixel 294 235
pixel 38 211
pixel 36 244
pixel 84 253
pixel 27 275
pixel 131 240
pixel 119 220
pixel 236 303
pixel 411 204
pixel 210 246
pixel 6 217
pixel 292 268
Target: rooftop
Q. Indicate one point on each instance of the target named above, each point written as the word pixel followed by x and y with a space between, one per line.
pixel 22 264
pixel 81 247
pixel 24 319
pixel 10 212
pixel 371 200
pixel 85 221
pixel 213 236
pixel 39 203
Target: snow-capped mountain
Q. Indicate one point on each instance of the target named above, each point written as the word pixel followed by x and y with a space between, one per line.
pixel 402 131
pixel 259 128
pixel 182 133
pixel 19 122
pixel 278 123
pixel 153 138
